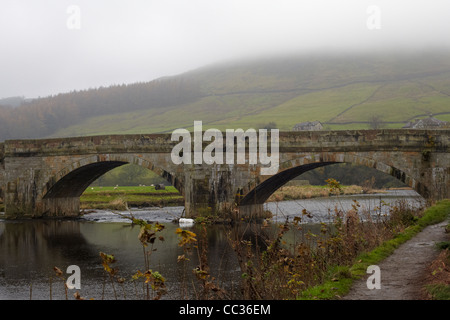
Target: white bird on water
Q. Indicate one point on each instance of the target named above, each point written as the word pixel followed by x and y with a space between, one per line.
pixel 186 222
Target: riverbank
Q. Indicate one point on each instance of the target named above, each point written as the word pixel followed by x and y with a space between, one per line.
pixel 402 261
pixel 406 273
pixel 437 274
pixel 121 197
pixel 309 191
pixel 118 198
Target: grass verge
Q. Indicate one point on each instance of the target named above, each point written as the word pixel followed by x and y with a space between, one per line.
pixel 340 278
pixel 117 198
pixel 437 280
pixel 439 291
pixel 307 192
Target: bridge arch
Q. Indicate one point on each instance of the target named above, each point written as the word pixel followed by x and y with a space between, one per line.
pixel 74 178
pixel 292 168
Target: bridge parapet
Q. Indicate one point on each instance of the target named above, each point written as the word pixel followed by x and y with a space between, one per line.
pixel 298 141
pixel 89 145
pixel 364 140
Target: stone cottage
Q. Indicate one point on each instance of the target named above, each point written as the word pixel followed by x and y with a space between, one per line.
pixel 427 123
pixel 308 126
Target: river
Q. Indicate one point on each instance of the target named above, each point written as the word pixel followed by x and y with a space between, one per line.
pixel 29 249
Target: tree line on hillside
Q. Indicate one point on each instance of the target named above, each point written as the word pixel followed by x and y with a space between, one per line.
pixel 12 101
pixel 43 116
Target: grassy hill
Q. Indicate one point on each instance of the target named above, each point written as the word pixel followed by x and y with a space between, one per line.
pixel 341 92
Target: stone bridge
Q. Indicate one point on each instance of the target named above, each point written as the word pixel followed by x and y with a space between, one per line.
pixel 45 177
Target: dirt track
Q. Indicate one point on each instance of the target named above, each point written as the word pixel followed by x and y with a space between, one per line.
pixel 403 273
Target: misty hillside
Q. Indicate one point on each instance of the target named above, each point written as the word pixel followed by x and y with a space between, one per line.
pixel 342 92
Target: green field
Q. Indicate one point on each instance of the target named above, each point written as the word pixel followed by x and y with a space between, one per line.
pixel 146 196
pixel 120 197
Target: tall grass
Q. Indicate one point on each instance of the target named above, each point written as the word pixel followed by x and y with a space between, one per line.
pixel 308 192
pixel 323 265
pixel 332 288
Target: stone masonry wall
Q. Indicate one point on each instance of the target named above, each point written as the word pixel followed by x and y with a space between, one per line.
pixel 29 169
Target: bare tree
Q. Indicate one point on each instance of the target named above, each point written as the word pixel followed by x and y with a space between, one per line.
pixel 375 122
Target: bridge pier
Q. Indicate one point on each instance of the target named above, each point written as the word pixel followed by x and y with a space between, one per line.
pixel 21 196
pixel 214 190
pixel 252 211
pixel 61 207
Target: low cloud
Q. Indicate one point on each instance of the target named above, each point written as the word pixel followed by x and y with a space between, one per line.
pixel 50 47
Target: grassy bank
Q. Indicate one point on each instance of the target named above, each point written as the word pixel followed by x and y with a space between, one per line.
pixel 340 278
pixel 438 274
pixel 308 192
pixel 323 264
pixel 146 196
pixel 117 198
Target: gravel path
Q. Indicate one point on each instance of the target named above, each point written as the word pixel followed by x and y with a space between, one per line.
pixel 403 273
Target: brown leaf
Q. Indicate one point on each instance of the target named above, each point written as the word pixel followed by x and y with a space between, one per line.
pixel 58 271
pixel 77 296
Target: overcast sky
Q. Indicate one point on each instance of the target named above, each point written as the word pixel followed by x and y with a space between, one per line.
pixel 53 46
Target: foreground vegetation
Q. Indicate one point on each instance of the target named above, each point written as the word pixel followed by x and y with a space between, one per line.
pixel 319 265
pixel 118 198
pixel 340 277
pixel 308 192
pixel 438 273
pixel 292 262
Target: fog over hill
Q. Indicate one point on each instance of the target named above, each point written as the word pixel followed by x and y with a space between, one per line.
pixel 340 90
pixel 98 67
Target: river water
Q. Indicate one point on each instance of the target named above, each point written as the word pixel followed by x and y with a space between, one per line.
pixel 30 249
